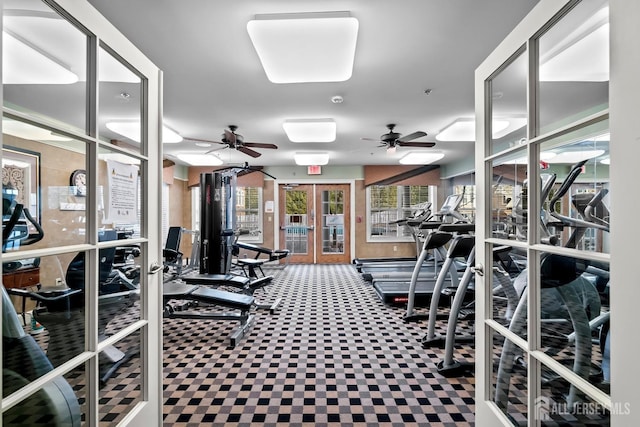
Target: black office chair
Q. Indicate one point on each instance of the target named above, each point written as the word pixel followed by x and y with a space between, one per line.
pixel 171 252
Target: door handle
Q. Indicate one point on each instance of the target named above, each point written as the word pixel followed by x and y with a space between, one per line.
pixel 154 268
pixel 478 269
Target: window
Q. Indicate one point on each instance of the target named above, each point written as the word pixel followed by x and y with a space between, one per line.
pixel 248 212
pixel 388 203
pixel 468 205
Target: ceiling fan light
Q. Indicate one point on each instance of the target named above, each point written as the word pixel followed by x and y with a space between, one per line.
pixel 392 150
pixel 200 159
pixel 305 47
pixel 310 130
pixel 311 158
pixel 421 157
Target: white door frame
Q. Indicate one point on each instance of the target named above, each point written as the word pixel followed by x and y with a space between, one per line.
pixel 149 410
pixel 276 213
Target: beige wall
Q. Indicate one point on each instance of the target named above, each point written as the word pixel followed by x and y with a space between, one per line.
pixel 363 249
pixel 366 249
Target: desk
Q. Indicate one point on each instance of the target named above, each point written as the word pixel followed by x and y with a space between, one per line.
pixel 22 278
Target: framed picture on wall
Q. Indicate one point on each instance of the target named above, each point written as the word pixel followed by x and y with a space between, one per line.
pixel 21 180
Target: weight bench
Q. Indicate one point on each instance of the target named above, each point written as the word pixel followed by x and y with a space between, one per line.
pixel 232 300
pixel 261 255
pixel 245 284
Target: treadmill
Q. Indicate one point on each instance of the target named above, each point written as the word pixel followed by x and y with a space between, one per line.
pixel 422 213
pixel 402 269
pixel 392 286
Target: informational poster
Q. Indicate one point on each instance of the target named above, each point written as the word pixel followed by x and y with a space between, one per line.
pixel 122 184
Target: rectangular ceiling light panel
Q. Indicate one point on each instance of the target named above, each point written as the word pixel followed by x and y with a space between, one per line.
pixel 311 158
pixel 310 130
pixel 305 47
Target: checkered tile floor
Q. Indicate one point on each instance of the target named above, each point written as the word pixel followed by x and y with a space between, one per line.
pixel 333 354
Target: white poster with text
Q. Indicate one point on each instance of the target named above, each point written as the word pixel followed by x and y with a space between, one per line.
pixel 122 182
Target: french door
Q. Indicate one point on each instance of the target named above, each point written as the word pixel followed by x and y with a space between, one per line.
pixel 91 352
pixel 546 361
pixel 315 222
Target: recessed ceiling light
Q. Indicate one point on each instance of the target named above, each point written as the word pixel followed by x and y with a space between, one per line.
pixel 311 158
pixel 421 157
pixel 131 130
pixel 465 129
pixel 200 159
pixel 310 130
pixel 305 47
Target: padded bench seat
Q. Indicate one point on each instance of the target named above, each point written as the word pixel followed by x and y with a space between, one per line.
pixel 177 290
pixel 217 280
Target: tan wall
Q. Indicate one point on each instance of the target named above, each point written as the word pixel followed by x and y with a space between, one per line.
pixel 366 249
pixel 60 227
pixel 363 249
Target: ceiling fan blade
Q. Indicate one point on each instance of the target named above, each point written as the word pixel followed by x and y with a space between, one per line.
pixel 260 145
pixel 249 152
pixel 416 144
pixel 370 139
pixel 411 136
pixel 230 137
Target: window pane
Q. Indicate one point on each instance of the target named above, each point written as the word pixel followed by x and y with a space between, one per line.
pixel 561 404
pixel 41 176
pixel 577 208
pixel 119 283
pixel 509 105
pixel 120 391
pixel 574 66
pixel 574 314
pixel 332 221
pixel 120 109
pixel 248 212
pixel 390 203
pixel 509 201
pixel 119 192
pixel 509 380
pixel 44 64
pixel 296 221
pixel 69 411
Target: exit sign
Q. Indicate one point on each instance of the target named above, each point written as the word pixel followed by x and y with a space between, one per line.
pixel 314 170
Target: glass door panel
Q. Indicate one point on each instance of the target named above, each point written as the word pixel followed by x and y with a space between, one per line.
pixel 509 106
pixel 573 64
pixel 333 223
pixel 44 64
pixel 297 224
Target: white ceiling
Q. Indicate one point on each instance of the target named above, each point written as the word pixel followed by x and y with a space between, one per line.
pixel 213 77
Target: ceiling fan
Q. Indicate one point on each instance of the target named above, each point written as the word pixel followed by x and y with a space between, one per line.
pixel 392 139
pixel 231 139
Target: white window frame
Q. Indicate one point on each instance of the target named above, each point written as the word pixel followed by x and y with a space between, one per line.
pixel 400 212
pixel 254 237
